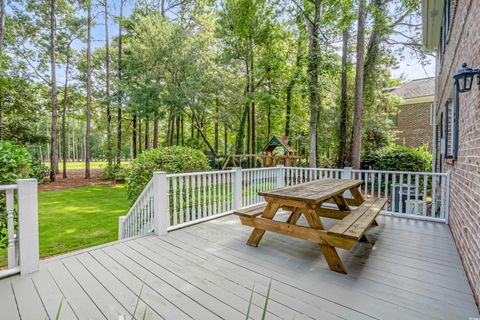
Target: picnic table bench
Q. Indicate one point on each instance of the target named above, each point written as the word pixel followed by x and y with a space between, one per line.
pixel 307 199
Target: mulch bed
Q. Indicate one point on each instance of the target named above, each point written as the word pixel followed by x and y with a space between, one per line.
pixel 76 178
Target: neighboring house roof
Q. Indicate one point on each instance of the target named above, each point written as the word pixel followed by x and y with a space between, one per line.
pixel 416 91
pixel 278 141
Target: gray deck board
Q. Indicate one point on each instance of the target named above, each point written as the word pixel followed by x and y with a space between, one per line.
pixel 29 303
pixel 344 294
pixel 8 305
pixel 411 270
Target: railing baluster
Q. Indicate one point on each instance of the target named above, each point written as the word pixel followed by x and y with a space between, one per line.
pixel 11 251
pixel 182 218
pixel 194 204
pixel 416 193
pixel 174 192
pixel 225 192
pixel 187 199
pixel 204 188
pixel 400 193
pixel 434 196
pixel 394 177
pixel 425 188
pixel 386 190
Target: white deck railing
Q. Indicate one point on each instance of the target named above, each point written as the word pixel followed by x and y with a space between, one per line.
pixel 22 251
pixel 172 201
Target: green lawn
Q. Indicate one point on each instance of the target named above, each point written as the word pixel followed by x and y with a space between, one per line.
pixel 72 219
pixel 81 165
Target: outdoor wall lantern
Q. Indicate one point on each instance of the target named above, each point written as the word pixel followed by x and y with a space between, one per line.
pixel 464 78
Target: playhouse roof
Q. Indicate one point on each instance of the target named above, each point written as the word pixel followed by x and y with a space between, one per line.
pixel 278 141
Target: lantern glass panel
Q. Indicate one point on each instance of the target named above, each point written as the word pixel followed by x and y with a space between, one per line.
pixel 468 81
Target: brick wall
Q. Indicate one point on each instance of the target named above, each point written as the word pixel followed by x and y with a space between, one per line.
pixel 414 129
pixel 464 46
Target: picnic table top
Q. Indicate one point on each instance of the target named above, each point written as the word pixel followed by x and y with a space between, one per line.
pixel 314 191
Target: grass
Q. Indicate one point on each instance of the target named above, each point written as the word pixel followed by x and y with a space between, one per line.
pixel 81 165
pixel 77 218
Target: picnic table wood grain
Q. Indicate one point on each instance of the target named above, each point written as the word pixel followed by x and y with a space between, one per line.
pixel 307 199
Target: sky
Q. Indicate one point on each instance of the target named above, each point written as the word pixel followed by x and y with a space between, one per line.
pixel 407 69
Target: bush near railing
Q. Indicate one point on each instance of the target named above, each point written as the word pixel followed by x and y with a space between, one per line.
pixel 174 159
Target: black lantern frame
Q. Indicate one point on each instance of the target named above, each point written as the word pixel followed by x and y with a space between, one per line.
pixel 464 78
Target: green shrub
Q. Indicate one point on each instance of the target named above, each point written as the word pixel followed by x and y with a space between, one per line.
pixel 40 171
pixel 399 158
pixel 15 163
pixel 175 159
pixel 115 172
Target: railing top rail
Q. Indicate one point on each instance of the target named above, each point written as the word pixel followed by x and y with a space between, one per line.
pixel 317 169
pixel 175 175
pixel 260 169
pixel 8 187
pixel 429 173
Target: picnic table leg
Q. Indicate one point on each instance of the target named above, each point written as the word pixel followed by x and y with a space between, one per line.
pixel 257 234
pixel 329 252
pixel 294 216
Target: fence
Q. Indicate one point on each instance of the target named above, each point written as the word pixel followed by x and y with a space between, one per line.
pixel 172 201
pixel 20 225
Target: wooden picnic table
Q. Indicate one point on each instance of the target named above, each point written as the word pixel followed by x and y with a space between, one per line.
pixel 307 199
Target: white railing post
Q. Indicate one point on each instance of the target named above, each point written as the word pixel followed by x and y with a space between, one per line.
pixel 237 188
pixel 447 197
pixel 28 225
pixel 347 173
pixel 121 227
pixel 161 212
pixel 280 176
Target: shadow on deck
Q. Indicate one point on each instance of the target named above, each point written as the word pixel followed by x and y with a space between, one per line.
pixel 412 271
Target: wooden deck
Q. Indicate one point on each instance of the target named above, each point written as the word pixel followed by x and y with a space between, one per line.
pixel 206 272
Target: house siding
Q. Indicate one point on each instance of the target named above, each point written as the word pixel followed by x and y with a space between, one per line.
pixel 414 125
pixel 464 46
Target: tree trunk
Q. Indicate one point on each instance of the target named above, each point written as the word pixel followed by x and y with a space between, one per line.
pixel 170 127
pixel 291 84
pixel 373 48
pixel 134 136
pixel 89 89
pixel 358 111
pixel 225 140
pixel 178 130
pixel 74 146
pixel 269 107
pixel 216 125
pixel 342 147
pixel 241 131
pixel 64 112
pixel 147 135
pixel 119 111
pixel 314 89
pixel 182 140
pixel 253 111
pixel 192 127
pixel 2 32
pixel 155 130
pixel 107 88
pixel 197 124
pixel 139 136
pixel 53 139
